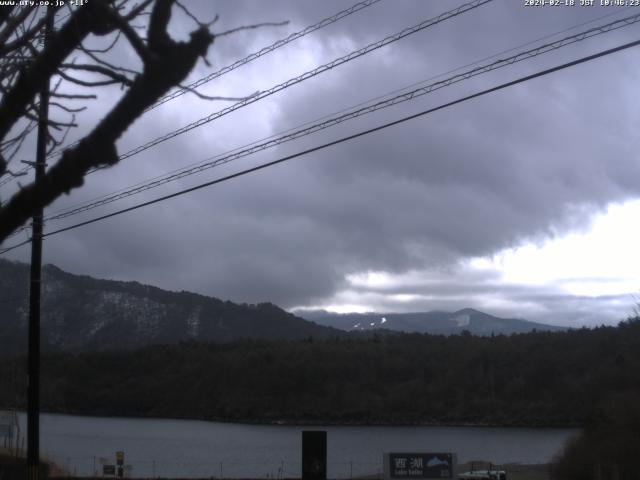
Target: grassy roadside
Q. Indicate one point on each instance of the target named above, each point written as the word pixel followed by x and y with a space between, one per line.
pixel 514 471
pixel 11 461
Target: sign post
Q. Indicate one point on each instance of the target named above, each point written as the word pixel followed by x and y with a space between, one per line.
pixel 120 463
pixel 314 455
pixel 419 466
pixel 108 470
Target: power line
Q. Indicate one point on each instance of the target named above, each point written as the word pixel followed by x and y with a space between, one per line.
pixel 282 42
pixel 249 58
pixel 351 56
pixel 13 247
pixel 309 74
pixel 168 176
pixel 340 140
pixel 502 52
pixel 263 51
pixel 274 141
pixel 10 177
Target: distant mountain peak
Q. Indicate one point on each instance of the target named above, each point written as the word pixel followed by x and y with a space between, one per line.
pixel 434 322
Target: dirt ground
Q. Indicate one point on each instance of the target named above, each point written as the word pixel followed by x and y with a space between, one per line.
pixel 528 472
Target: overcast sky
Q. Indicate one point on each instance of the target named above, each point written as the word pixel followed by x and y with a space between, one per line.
pixel 523 203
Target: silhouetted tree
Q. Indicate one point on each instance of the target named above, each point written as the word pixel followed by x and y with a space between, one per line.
pixel 25 66
pixel 608 447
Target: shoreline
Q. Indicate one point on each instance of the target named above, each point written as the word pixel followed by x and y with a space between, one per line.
pixel 322 422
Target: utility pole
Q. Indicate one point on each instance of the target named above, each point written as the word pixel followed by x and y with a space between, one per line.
pixel 33 380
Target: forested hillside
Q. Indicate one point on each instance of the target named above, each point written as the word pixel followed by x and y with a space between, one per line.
pixel 544 378
pixel 80 313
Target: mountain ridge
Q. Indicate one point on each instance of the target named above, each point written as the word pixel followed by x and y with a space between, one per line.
pixel 435 322
pixel 81 313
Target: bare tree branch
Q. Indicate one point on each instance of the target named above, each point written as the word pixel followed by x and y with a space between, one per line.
pixel 134 39
pixel 135 11
pixel 107 48
pixel 158 23
pixel 194 18
pixel 16 174
pixel 252 27
pixel 60 46
pixel 26 37
pixel 18 141
pixel 67 109
pixel 208 97
pixel 56 143
pixel 167 64
pixel 55 124
pixel 13 23
pixel 86 83
pixel 75 96
pixel 5 13
pixel 115 76
pixel 103 62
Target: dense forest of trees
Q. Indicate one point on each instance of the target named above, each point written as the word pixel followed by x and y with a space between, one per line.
pixel 609 445
pixel 540 378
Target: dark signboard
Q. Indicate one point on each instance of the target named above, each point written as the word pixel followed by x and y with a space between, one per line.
pixel 109 470
pixel 421 465
pixel 314 455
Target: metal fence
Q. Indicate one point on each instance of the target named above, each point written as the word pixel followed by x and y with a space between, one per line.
pixel 277 469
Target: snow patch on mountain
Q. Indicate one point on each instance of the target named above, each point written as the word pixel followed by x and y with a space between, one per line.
pixel 462 320
pixel 193 322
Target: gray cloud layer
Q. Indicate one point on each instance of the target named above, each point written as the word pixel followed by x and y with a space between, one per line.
pixel 523 164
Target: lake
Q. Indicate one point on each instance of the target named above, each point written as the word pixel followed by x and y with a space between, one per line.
pixel 191 448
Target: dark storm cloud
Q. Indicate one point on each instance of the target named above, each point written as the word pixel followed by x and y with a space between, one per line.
pixel 524 164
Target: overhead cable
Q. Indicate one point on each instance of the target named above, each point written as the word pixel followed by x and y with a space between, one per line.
pixel 339 141
pixel 263 51
pixel 401 98
pixel 249 58
pixel 24 170
pixel 310 74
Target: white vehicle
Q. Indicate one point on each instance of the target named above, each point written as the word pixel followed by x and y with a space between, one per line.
pixel 483 475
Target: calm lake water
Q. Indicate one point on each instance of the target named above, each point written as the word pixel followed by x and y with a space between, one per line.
pixel 190 448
